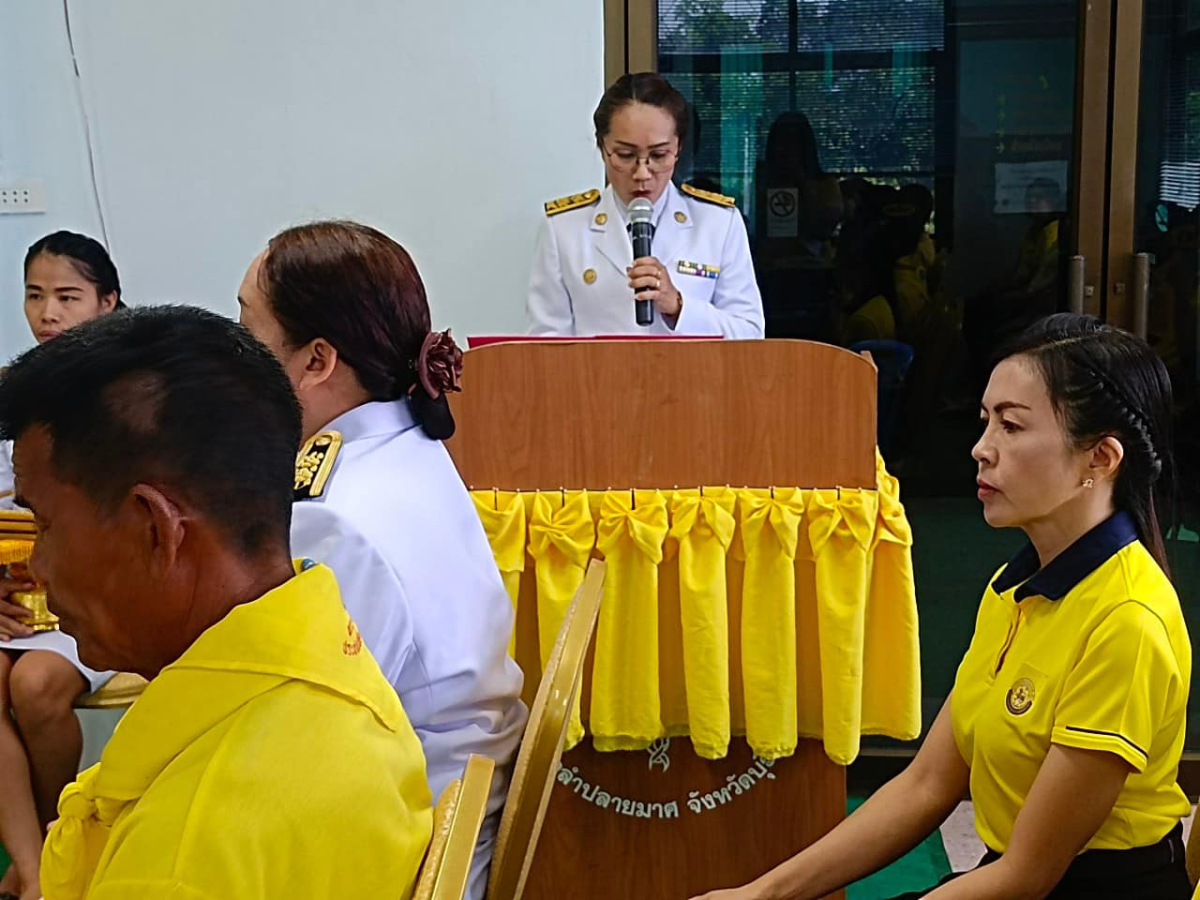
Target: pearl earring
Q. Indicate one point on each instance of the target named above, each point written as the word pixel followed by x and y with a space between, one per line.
pixel 1089 482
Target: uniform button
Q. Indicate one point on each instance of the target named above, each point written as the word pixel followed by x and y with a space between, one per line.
pixel 601 218
pixel 680 217
pixel 589 275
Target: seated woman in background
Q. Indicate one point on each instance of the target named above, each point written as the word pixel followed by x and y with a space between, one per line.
pixel 344 309
pixel 1066 720
pixel 69 279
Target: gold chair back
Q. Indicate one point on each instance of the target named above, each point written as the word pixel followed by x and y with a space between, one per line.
pixel 542 746
pixel 118 692
pixel 457 819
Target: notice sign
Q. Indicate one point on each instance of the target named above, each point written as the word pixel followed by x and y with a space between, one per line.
pixel 783 212
pixel 1030 187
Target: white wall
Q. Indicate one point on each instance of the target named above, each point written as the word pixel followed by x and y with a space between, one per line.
pixel 445 123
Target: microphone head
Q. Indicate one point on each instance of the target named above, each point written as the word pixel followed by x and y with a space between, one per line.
pixel 640 210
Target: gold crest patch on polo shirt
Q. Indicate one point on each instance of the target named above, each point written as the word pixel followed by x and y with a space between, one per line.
pixel 1020 697
pixel 315 463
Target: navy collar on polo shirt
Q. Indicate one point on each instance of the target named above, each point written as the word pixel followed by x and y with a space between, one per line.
pixel 1071 566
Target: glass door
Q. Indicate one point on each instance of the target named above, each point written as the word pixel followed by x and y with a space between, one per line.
pixel 923 178
pixel 1154 243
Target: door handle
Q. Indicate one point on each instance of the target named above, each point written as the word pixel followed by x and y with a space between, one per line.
pixel 1075 287
pixel 1141 294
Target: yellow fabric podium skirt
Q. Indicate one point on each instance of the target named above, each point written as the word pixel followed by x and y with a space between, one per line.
pixel 774 613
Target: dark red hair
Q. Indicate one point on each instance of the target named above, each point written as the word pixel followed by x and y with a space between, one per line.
pixel 359 290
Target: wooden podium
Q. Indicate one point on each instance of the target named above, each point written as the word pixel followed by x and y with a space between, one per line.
pixel 660 414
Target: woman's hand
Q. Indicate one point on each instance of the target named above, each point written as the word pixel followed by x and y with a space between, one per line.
pixel 12 624
pixel 742 893
pixel 648 272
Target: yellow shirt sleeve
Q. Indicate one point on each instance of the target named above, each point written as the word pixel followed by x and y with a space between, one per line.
pixel 1116 696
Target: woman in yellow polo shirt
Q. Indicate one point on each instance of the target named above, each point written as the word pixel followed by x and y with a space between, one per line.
pixel 1066 720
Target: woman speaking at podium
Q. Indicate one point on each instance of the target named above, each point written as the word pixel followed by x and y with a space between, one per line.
pixel 699 275
pixel 1066 720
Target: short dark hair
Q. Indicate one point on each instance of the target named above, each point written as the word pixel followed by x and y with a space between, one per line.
pixel 1104 381
pixel 641 87
pixel 86 254
pixel 358 289
pixel 173 396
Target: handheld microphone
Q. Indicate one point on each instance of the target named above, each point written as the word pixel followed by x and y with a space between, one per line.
pixel 641 211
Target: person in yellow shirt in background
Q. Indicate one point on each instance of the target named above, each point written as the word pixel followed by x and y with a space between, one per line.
pixel 1066 720
pixel 268 757
pixel 1032 290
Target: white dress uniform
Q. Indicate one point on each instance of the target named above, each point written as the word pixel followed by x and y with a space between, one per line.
pixel 54 641
pixel 579 285
pixel 395 523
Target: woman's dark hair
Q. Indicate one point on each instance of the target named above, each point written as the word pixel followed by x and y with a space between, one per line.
pixel 1105 382
pixel 791 139
pixel 86 254
pixel 360 290
pixel 641 87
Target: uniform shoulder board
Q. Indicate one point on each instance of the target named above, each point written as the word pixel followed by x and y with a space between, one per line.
pixel 314 464
pixel 575 201
pixel 708 196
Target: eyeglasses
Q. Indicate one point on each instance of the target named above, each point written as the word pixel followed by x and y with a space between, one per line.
pixel 657 161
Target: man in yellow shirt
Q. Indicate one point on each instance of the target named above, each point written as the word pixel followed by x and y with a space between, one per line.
pixel 268 757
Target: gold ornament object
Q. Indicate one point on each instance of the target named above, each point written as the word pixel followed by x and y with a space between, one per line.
pixel 40 618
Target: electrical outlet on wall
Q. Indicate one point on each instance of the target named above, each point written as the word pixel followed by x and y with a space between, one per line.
pixel 17 197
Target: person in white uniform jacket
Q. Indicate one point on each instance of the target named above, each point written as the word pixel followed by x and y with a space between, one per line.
pixel 378 497
pixel 69 279
pixel 700 275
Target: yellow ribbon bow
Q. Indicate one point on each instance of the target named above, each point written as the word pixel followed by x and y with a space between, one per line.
pixel 503 518
pixel 841 527
pixel 702 529
pixel 561 537
pixel 891 648
pixel 770 530
pixel 626 708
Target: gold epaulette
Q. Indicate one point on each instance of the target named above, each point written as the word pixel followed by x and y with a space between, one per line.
pixel 708 196
pixel 575 201
pixel 315 463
